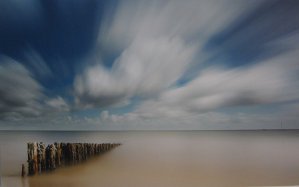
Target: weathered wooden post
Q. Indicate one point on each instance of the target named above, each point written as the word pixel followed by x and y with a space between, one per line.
pixel 35 161
pixel 58 153
pixel 42 158
pixel 52 156
pixel 32 158
pixel 23 170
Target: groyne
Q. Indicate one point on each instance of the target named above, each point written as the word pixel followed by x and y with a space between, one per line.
pixel 42 158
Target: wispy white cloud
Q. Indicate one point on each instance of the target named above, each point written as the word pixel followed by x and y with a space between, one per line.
pixel 141 70
pixel 22 96
pixel 161 42
pixel 196 20
pixel 158 42
pixel 269 82
pixel 37 64
pixel 19 92
pixel 58 104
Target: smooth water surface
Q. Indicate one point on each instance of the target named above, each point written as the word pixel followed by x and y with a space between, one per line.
pixel 164 159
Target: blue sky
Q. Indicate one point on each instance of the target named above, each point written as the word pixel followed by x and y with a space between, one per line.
pixel 138 65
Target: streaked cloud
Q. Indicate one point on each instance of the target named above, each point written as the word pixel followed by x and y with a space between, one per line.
pixel 37 64
pixel 190 20
pixel 141 70
pixel 269 82
pixel 157 52
pixel 151 64
pixel 158 42
pixel 58 104
pixel 22 96
pixel 20 93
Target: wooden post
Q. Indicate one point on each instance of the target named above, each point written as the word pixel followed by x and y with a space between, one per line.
pixel 46 158
pixel 23 170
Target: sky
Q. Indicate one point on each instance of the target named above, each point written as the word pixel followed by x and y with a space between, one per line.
pixel 149 65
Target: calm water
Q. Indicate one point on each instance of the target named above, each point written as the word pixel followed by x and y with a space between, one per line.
pixel 164 159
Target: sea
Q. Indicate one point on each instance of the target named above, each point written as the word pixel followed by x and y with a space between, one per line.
pixel 162 159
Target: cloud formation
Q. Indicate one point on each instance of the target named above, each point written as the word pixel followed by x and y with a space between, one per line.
pixel 21 96
pixel 37 64
pixel 141 70
pixel 190 20
pixel 158 44
pixel 58 104
pixel 163 64
pixel 19 92
pixel 161 43
pixel 165 42
pixel 264 83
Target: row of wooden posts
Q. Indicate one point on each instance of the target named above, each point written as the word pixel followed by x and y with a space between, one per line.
pixel 43 158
